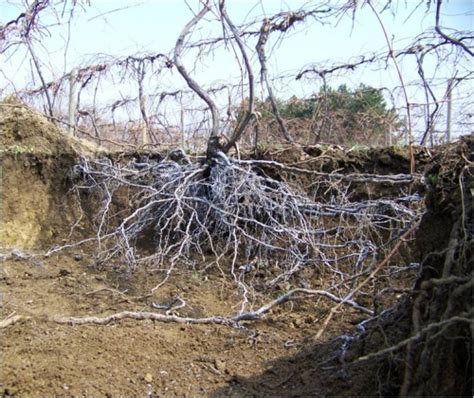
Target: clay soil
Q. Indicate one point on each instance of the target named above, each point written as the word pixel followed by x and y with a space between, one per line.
pixel 146 358
pixel 139 358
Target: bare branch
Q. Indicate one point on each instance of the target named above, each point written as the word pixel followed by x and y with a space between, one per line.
pixel 11 320
pixel 450 39
pixel 184 73
pixel 153 316
pixel 402 82
pixel 265 30
pixel 239 130
pixel 255 315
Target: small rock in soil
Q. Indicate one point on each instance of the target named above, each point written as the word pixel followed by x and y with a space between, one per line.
pixel 220 365
pixel 64 272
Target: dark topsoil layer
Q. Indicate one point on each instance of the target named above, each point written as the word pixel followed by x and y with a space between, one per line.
pixel 38 157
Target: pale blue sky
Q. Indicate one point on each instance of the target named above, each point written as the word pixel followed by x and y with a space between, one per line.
pixel 121 27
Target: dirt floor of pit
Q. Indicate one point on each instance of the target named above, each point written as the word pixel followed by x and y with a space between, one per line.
pixel 143 358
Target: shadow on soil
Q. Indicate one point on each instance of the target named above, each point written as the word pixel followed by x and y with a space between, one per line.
pixel 317 370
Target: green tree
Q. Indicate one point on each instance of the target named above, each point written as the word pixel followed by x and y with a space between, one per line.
pixel 342 116
pixel 358 116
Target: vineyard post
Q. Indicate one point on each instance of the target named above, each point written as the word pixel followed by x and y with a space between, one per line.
pixel 72 102
pixel 449 105
pixel 388 135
